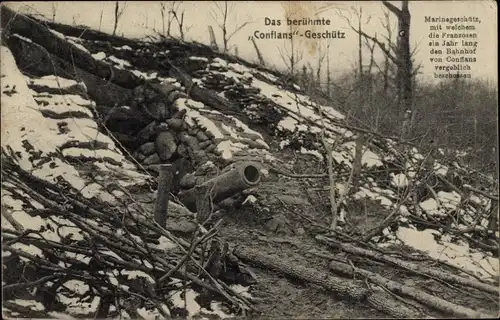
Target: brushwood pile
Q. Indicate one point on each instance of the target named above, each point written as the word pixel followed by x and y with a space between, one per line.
pixel 79 149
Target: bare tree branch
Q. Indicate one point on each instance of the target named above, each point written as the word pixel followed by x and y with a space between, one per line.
pixel 220 15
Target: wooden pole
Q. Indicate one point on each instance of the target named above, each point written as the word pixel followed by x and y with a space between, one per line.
pixel 203 203
pixel 163 194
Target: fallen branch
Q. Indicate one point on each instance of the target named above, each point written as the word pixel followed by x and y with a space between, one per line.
pixel 487 195
pixel 445 276
pixel 346 289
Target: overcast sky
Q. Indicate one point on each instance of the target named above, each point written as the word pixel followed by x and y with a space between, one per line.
pixel 139 18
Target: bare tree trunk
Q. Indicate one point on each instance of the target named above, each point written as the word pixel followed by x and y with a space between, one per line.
pixel 292 59
pixel 360 49
pixel 386 75
pixel 117 7
pixel 321 57
pixel 224 27
pixel 328 77
pixel 213 41
pixel 162 11
pixel 387 62
pixel 356 166
pixel 54 11
pixel 259 54
pixel 405 67
pixel 100 19
pixel 163 194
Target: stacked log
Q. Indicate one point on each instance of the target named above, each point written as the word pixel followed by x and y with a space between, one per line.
pixel 217 82
pixel 168 136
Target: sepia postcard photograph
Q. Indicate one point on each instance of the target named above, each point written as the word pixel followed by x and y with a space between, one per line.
pixel 249 159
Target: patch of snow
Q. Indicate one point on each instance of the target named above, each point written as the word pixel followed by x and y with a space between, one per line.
pixel 147 76
pixel 111 254
pixel 460 255
pixel 217 310
pixel 241 69
pixel 53 81
pixel 246 129
pixel 125 47
pixel 449 200
pixel 62 109
pixel 32 304
pixel 366 193
pixel 24 123
pixel 312 152
pixel 75 306
pixel 148 314
pixel 404 210
pixel 440 169
pixel 227 148
pixel 284 143
pixel 399 180
pixel 134 274
pixel 288 123
pixel 165 244
pixel 371 159
pixel 198 58
pixel 192 307
pixel 22 38
pixel 66 99
pixel 263 143
pixel 28 248
pixel 250 199
pixel 80 257
pixel 28 221
pixel 77 286
pixel 120 62
pixel 99 56
pixel 220 61
pixel 183 103
pixel 99 154
pixel 77 45
pixel 195 104
pixel 58 34
pixel 430 206
pixel 60 315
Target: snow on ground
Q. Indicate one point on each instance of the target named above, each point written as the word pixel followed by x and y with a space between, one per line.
pixel 21 117
pixel 24 127
pixel 399 180
pixel 52 81
pixel 302 115
pixel 125 47
pixel 180 300
pixel 232 135
pixel 461 255
pixel 120 63
pixel 99 56
pixel 76 44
